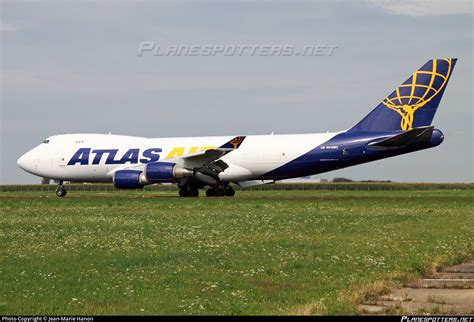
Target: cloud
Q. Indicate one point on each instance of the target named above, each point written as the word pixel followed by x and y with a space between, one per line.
pixel 424 7
pixel 6 27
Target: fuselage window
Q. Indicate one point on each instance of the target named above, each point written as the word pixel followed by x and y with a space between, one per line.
pixel 46 141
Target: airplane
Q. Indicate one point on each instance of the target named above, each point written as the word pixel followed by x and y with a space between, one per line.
pixel 400 124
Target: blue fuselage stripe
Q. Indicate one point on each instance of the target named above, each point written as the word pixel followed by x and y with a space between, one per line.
pixel 344 150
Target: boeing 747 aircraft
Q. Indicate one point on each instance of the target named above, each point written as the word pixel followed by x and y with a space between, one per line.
pixel 400 124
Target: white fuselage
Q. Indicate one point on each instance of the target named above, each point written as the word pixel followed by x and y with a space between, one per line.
pixel 259 154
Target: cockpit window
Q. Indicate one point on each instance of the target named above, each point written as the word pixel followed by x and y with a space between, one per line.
pixel 46 141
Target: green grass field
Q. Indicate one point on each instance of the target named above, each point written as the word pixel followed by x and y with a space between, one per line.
pixel 261 252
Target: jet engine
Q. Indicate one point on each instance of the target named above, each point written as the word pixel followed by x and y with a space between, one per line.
pixel 129 179
pixel 155 172
pixel 165 172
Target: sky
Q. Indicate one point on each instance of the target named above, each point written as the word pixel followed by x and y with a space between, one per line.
pixel 74 67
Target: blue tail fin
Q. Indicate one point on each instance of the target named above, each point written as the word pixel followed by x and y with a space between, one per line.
pixel 412 104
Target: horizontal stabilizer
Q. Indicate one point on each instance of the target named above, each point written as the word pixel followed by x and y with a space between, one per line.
pixel 416 135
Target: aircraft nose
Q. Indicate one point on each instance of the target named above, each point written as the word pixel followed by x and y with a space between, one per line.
pixel 27 162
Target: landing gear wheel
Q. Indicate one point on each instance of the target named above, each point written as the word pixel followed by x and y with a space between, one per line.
pixel 193 193
pixel 183 192
pixel 61 191
pixel 211 192
pixel 229 192
pixel 220 192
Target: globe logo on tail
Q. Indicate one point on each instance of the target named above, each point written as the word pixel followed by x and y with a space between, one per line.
pixel 418 90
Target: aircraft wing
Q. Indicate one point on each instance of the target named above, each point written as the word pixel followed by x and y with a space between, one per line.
pixel 203 157
pixel 202 160
pixel 416 135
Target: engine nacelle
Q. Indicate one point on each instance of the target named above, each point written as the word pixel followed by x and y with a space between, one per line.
pixel 165 172
pixel 129 179
pixel 154 172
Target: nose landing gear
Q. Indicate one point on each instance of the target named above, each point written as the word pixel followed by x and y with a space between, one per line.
pixel 61 190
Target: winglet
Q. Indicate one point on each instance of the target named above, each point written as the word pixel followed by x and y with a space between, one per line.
pixel 234 143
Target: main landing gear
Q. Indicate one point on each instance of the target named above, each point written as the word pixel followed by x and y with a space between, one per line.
pixel 219 191
pixel 188 192
pixel 61 190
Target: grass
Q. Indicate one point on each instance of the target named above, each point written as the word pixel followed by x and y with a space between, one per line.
pixel 261 252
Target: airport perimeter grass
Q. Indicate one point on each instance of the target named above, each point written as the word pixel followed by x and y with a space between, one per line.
pixel 265 252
